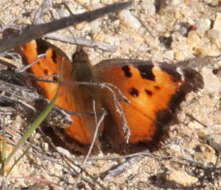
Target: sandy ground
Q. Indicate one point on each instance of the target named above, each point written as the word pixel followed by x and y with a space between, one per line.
pixel 171 31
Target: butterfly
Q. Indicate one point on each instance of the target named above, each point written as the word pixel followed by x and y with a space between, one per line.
pixel 140 97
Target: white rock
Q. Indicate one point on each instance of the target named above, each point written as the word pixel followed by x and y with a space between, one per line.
pixel 149 7
pixel 182 178
pixel 211 82
pixel 63 151
pixel 203 25
pixel 205 154
pixel 95 26
pixel 215 36
pixel 129 19
pixel 217 23
pixel 176 2
pixel 212 2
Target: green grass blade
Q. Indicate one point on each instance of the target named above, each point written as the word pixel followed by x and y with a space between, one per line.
pixel 17 160
pixel 33 126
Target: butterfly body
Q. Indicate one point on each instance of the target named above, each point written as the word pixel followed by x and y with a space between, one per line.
pixel 139 96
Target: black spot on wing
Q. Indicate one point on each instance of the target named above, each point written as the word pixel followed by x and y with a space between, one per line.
pixel 148 92
pixel 134 92
pixel 42 47
pixel 55 77
pixel 54 56
pixel 45 71
pixel 146 72
pixel 156 87
pixel 126 70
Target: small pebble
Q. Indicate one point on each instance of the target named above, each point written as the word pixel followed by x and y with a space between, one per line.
pixel 129 19
pixel 63 151
pixel 181 178
pixel 203 25
pixel 215 36
pixel 205 154
pixel 149 7
pixel 176 2
pixel 211 82
pixel 212 2
pixel 217 22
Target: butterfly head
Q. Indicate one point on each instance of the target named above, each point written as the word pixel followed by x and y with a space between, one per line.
pixel 82 69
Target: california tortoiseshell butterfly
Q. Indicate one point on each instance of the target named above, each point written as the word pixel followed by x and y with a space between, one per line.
pixel 140 97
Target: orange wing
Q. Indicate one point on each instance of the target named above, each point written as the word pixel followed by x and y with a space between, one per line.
pixel 153 91
pixel 71 97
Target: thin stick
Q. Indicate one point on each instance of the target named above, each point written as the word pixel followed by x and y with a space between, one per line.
pixel 8 62
pixel 24 68
pixel 81 41
pixel 98 124
pixel 37 31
